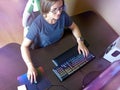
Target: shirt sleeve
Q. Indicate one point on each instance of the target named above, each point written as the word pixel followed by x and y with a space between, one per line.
pixel 68 20
pixel 32 32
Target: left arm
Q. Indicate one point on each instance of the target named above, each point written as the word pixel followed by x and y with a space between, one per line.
pixel 77 34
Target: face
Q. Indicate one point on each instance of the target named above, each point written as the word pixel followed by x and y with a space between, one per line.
pixel 56 10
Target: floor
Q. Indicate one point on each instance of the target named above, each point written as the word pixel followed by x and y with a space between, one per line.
pixel 12 65
pixel 11 29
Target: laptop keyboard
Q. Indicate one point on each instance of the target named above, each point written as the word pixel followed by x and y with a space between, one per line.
pixel 71 65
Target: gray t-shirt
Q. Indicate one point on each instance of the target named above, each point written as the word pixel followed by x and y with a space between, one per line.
pixel 44 34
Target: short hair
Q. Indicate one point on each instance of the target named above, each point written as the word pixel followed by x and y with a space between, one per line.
pixel 46 5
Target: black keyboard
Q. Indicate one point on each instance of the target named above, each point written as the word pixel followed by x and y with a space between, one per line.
pixel 70 53
pixel 71 65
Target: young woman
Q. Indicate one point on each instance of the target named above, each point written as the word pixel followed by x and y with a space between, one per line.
pixel 48 28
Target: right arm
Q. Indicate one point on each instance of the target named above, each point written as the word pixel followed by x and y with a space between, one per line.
pixel 31 73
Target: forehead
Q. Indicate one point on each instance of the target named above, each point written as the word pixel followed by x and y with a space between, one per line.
pixel 58 3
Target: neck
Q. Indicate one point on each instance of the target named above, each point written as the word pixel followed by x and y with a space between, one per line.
pixel 50 20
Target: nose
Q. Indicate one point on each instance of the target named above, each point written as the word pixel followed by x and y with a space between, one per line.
pixel 58 12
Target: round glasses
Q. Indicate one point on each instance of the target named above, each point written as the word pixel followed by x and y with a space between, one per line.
pixel 55 10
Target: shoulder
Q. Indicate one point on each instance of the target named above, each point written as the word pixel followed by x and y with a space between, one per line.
pixel 66 19
pixel 64 15
pixel 38 21
pixel 38 18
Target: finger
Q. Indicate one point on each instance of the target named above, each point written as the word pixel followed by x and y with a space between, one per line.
pixel 28 76
pixel 83 52
pixel 34 76
pixel 79 51
pixel 86 52
pixel 31 78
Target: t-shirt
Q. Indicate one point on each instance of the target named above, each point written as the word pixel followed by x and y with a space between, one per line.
pixel 44 34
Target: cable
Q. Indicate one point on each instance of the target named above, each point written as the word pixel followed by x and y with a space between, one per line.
pixel 61 87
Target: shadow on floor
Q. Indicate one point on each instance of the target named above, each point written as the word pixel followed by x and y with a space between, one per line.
pixel 11 66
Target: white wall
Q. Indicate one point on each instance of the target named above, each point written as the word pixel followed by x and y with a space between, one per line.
pixel 108 9
pixel 76 6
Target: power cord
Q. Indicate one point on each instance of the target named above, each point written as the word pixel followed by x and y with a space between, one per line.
pixel 60 87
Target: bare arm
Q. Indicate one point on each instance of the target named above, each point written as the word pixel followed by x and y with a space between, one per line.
pixel 31 73
pixel 76 32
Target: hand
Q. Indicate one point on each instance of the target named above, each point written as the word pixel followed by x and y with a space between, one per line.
pixel 82 48
pixel 31 74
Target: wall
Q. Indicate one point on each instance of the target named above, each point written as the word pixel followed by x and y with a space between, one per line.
pixel 74 7
pixel 108 9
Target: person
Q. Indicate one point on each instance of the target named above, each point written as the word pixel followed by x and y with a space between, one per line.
pixel 31 11
pixel 47 29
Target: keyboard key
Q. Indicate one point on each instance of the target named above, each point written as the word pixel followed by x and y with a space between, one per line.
pixel 71 65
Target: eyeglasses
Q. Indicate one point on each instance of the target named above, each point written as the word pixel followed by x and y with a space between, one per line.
pixel 55 10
